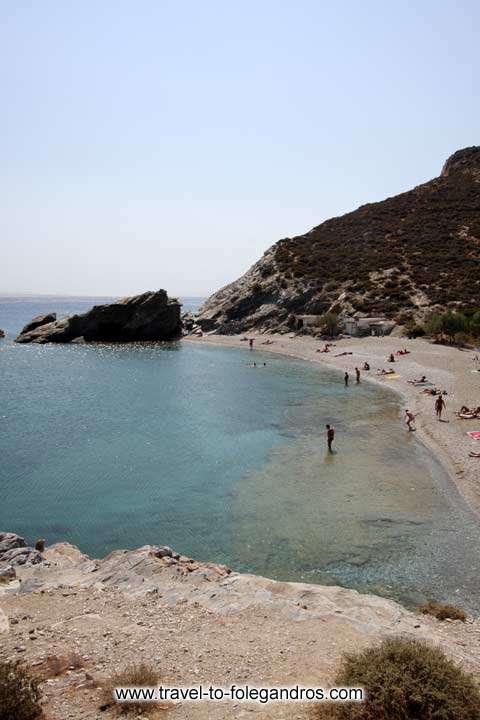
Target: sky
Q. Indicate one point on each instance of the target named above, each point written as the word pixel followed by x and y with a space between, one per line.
pixel 162 143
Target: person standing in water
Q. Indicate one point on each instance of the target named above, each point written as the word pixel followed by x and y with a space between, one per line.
pixel 346 376
pixel 439 405
pixel 357 371
pixel 330 437
pixel 250 343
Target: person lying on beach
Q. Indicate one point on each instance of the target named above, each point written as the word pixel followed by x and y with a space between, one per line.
pixel 474 454
pixel 268 342
pixel 403 352
pixel 417 381
pixel 324 350
pixel 343 353
pixel 385 372
pixel 366 366
pixel 466 414
pixel 431 391
pixel 409 419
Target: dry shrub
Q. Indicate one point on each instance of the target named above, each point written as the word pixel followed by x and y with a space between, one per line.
pixel 443 612
pixel 138 675
pixel 19 693
pixel 404 680
pixel 56 665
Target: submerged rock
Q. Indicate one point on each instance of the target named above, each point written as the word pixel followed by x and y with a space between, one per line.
pixel 150 316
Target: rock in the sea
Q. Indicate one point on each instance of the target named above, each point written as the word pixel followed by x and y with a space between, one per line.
pixel 2 334
pixel 151 316
pixel 38 321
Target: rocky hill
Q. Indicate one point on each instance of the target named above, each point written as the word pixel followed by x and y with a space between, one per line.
pixel 402 257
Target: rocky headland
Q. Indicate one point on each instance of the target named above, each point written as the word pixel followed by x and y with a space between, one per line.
pixel 150 316
pixel 401 258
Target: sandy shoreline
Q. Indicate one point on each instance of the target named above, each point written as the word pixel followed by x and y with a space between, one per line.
pixel 447 368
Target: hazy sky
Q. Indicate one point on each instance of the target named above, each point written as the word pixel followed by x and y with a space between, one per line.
pixel 150 143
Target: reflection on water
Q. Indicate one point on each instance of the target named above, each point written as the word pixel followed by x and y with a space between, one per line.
pixel 119 445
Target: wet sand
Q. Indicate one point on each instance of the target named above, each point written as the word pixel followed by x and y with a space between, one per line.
pixel 448 368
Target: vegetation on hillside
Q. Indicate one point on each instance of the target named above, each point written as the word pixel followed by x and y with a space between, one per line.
pixel 426 240
pixel 19 693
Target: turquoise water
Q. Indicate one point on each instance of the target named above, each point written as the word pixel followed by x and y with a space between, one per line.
pixel 112 445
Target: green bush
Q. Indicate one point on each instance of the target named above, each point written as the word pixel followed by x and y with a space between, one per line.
pixel 330 323
pixel 404 680
pixel 19 693
pixel 475 324
pixel 453 323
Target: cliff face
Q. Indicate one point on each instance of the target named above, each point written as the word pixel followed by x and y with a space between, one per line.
pixel 402 258
pixel 151 316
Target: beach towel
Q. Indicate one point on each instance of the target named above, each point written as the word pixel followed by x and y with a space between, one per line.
pixel 393 376
pixel 474 434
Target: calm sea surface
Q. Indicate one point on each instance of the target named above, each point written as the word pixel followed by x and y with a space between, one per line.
pixel 112 445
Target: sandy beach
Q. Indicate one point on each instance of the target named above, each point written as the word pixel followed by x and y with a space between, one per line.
pixel 447 368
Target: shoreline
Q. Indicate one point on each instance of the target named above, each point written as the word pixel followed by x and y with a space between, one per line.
pixel 446 367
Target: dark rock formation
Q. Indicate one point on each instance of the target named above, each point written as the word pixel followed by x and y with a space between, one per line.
pixel 2 333
pixel 400 258
pixel 38 321
pixel 151 316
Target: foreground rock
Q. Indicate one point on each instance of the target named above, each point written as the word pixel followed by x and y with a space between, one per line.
pixel 151 316
pixel 196 623
pixel 400 258
pixel 14 552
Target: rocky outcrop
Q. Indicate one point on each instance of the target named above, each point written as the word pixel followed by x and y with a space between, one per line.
pixel 14 551
pixel 38 321
pixel 151 316
pixel 401 258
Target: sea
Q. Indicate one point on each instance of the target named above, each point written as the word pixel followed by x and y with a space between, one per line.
pixel 117 445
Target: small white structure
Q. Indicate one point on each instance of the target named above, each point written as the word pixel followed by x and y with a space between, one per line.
pixel 377 326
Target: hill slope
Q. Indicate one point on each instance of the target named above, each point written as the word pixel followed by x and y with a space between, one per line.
pixel 401 257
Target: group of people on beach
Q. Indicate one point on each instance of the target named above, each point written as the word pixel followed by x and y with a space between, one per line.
pixel 439 405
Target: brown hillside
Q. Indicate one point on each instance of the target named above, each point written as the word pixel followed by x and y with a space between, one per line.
pixel 400 257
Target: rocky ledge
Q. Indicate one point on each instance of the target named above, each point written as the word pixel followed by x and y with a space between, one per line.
pixel 160 571
pixel 150 316
pixel 75 621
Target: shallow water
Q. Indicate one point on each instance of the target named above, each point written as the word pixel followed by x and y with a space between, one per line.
pixel 118 445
